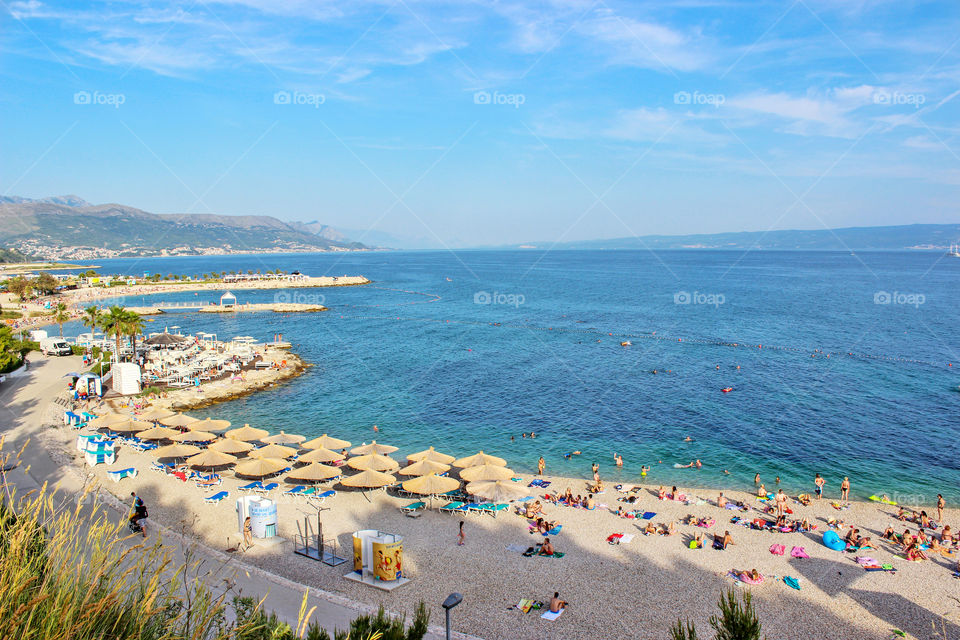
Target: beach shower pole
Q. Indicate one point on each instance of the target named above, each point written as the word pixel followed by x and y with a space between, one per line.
pixel 452 600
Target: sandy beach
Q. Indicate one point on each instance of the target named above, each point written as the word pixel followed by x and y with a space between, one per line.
pixel 637 589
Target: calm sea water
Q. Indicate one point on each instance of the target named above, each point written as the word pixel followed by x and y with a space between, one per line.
pixel 463 351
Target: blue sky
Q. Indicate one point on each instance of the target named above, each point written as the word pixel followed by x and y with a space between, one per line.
pixel 467 123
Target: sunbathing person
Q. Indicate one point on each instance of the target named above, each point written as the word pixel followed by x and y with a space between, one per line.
pixel 914 553
pixel 925 520
pixel 889 534
pixel 546 549
pixel 852 537
pixel 556 604
pixel 946 536
pixel 761 491
pixel 921 537
pixel 588 503
pixel 721 501
pixel 649 529
pixel 865 543
pixel 752 576
pixel 722 542
pixel 697 542
pixel 661 494
pixel 804 499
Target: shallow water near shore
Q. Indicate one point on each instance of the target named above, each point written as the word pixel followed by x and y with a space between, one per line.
pixel 464 351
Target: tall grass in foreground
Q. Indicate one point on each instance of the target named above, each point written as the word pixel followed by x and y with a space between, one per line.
pixel 68 572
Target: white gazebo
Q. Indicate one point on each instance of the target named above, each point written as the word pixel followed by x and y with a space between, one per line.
pixel 228 300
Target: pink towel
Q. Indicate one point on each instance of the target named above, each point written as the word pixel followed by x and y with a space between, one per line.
pixel 777 549
pixel 799 552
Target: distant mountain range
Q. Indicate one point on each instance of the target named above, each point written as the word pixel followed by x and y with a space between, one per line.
pixel 68 227
pixel 914 236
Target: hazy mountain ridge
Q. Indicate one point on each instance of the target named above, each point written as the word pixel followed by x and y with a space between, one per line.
pixel 50 228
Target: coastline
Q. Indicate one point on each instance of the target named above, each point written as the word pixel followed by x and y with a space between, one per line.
pixel 837 599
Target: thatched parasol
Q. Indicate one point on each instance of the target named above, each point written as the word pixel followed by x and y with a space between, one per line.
pixel 424 468
pixel 369 480
pixel 284 438
pixel 177 450
pixel 432 455
pixel 107 420
pixel 247 433
pixel 210 424
pixel 131 426
pixel 497 490
pixel 321 455
pixel 260 467
pixel 180 421
pixel 486 472
pixel 373 447
pixel 431 485
pixel 315 472
pixel 273 451
pixel 158 433
pixel 157 413
pixel 326 442
pixel 479 458
pixel 228 445
pixel 211 458
pixel 194 436
pixel 373 462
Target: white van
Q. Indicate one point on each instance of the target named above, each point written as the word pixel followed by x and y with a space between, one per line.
pixel 55 346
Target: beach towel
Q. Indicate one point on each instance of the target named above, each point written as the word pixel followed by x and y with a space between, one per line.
pixel 554 531
pixel 798 552
pixel 627 537
pixel 614 538
pixel 550 615
pixel 777 549
pixel 791 582
pixel 648 515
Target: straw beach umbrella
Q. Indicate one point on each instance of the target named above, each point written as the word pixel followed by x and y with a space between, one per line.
pixel 284 438
pixel 180 421
pixel 158 433
pixel 211 458
pixel 424 468
pixel 314 472
pixel 157 413
pixel 326 442
pixel 321 455
pixel 486 472
pixel 194 436
pixel 228 445
pixel 273 451
pixel 210 424
pixel 130 426
pixel 479 458
pixel 373 447
pixel 369 480
pixel 247 433
pixel 432 455
pixel 177 450
pixel 431 485
pixel 107 420
pixel 373 462
pixel 260 467
pixel 497 490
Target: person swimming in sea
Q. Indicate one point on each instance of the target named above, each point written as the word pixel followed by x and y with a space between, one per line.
pixel 688 439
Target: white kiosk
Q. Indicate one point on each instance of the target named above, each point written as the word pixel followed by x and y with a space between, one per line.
pixel 377 559
pixel 263 517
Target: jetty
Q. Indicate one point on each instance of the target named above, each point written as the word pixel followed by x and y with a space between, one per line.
pixel 213 307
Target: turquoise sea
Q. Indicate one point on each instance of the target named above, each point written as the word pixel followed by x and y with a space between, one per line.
pixel 463 351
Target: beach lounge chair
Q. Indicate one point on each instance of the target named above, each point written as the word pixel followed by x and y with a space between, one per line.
pixel 309 491
pixel 413 506
pixel 497 508
pixel 482 507
pixel 159 466
pixel 295 491
pixel 266 487
pixel 217 497
pixel 120 474
pixel 454 507
pixel 329 493
pixel 253 486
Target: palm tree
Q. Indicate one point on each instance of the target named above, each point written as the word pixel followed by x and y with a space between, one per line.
pixel 114 324
pixel 134 327
pixel 61 315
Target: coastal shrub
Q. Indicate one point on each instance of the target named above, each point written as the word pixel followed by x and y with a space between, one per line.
pixel 737 620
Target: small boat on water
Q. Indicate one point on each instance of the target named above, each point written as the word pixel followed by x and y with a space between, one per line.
pixel 727 389
pixel 626 343
pixel 954 251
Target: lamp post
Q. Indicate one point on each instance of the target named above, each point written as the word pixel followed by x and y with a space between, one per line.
pixel 452 600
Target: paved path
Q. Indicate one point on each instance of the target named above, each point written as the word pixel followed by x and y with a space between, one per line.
pixel 24 398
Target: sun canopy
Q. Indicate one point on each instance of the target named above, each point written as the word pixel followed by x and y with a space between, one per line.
pixel 283 438
pixel 431 485
pixel 157 413
pixel 273 451
pixel 321 455
pixel 194 436
pixel 228 445
pixel 373 447
pixel 424 468
pixel 211 458
pixel 260 467
pixel 479 458
pixel 326 442
pixel 497 490
pixel 247 433
pixel 164 340
pixel 177 450
pixel 486 472
pixel 107 419
pixel 432 455
pixel 179 420
pixel 369 480
pixel 373 462
pixel 210 424
pixel 158 433
pixel 314 472
pixel 131 426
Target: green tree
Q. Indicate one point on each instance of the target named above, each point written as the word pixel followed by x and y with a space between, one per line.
pixel 12 350
pixel 114 323
pixel 134 327
pixel 91 318
pixel 737 620
pixel 61 315
pixel 20 287
pixel 46 284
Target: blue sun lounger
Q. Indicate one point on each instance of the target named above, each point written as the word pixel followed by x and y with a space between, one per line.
pixel 253 486
pixel 217 497
pixel 413 506
pixel 266 487
pixel 295 491
pixel 454 507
